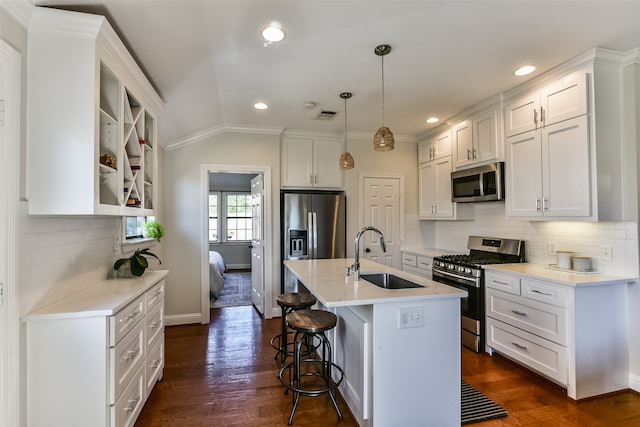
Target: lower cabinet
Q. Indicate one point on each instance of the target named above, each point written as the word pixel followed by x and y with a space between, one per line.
pixel 573 335
pixel 96 367
pixel 417 264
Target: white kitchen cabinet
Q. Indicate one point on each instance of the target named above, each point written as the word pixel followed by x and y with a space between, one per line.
pixel 552 327
pixel 434 192
pixel 91 139
pixel 476 140
pixel 419 265
pixel 94 357
pixel 550 171
pixel 311 163
pixel 561 100
pixel 435 148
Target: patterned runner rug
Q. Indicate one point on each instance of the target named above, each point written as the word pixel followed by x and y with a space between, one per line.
pixel 477 407
pixel 235 292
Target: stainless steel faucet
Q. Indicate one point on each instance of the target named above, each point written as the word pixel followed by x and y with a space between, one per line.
pixel 356 264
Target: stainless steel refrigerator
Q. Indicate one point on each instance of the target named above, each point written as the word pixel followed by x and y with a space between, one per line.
pixel 313 227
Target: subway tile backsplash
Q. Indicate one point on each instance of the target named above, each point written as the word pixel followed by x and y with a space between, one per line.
pixel 585 238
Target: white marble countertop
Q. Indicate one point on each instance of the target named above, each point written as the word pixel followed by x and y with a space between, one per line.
pixel 430 252
pixel 325 278
pixel 566 278
pixel 103 298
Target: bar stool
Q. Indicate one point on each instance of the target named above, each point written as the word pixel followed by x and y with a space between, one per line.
pixel 289 302
pixel 316 377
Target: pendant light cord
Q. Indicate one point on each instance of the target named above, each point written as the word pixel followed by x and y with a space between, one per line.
pixel 345 124
pixel 382 90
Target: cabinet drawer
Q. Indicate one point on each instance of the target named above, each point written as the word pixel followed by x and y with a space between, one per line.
pixel 502 282
pixel 155 294
pixel 544 292
pixel 128 407
pixel 125 320
pixel 545 357
pixel 154 324
pixel 417 271
pixel 540 319
pixel 425 263
pixel 154 365
pixel 410 260
pixel 125 359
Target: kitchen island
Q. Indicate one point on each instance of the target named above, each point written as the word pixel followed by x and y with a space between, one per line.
pixel 399 348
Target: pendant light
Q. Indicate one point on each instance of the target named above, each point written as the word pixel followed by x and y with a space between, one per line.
pixel 346 160
pixel 383 139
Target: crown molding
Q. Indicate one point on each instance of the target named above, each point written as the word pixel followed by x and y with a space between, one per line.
pixel 220 129
pixel 20 10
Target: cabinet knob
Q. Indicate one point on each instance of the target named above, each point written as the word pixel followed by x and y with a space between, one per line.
pixel 367 250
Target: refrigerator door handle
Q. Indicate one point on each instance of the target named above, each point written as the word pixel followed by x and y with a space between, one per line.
pixel 310 240
pixel 315 235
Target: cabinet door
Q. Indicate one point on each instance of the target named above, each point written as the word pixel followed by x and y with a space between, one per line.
pixel 566 169
pixel 463 143
pixel 297 162
pixel 485 136
pixel 326 156
pixel 444 206
pixel 426 151
pixel 524 175
pixel 564 99
pixel 522 115
pixel 426 190
pixel 442 145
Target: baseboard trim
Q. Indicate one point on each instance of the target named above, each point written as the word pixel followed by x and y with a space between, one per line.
pixel 634 382
pixel 238 267
pixel 182 319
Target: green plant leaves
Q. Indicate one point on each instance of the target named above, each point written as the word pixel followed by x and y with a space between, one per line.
pixel 137 262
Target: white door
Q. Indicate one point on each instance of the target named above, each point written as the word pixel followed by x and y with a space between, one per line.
pixel 257 258
pixel 524 177
pixel 381 208
pixel 9 323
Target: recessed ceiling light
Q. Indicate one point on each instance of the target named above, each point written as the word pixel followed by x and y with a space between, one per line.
pixel 433 120
pixel 523 71
pixel 273 33
pixel 260 106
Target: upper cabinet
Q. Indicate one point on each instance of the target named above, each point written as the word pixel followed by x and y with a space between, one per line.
pixel 476 139
pixel 92 132
pixel 565 147
pixel 310 163
pixel 435 148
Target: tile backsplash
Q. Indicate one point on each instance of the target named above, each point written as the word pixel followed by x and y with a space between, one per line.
pixel 593 239
pixel 60 255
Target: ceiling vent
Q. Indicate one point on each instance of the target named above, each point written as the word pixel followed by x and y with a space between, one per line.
pixel 326 115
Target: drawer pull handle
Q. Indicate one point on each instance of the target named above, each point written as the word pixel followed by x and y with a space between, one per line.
pixel 156 363
pixel 132 316
pixel 132 354
pixel 519 313
pixel 500 282
pixel 155 325
pixel 537 291
pixel 133 405
pixel 426 264
pixel 520 346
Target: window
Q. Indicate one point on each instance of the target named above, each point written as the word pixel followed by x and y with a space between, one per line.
pixel 238 209
pixel 214 217
pixel 229 217
pixel 134 226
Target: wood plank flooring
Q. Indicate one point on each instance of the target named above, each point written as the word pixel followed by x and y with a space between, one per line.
pixel 224 374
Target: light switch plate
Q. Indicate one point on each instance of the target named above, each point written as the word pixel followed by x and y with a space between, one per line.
pixel 411 317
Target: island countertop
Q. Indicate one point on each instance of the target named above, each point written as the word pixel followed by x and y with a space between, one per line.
pixel 325 278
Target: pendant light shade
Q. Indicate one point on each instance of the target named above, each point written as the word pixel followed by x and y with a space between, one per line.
pixel 346 160
pixel 383 139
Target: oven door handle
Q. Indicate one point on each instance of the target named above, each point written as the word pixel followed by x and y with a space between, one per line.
pixel 447 275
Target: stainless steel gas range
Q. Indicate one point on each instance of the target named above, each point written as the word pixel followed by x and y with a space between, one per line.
pixel 465 272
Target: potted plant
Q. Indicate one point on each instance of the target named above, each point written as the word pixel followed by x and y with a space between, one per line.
pixel 136 264
pixel 154 230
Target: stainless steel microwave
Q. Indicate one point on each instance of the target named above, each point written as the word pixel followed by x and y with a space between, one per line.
pixel 478 184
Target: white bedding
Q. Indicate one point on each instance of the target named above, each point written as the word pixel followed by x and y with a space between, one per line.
pixel 217 268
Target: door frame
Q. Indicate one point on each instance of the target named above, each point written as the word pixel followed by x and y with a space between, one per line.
pixel 361 179
pixel 9 218
pixel 205 170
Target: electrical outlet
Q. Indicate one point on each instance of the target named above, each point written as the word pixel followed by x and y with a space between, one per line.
pixel 606 253
pixel 553 248
pixel 411 317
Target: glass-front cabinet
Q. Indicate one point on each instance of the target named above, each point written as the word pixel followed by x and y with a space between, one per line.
pixel 92 131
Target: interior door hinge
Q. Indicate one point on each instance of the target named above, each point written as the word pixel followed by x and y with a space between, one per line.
pixel 1 295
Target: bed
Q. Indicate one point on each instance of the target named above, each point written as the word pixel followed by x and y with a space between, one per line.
pixel 217 268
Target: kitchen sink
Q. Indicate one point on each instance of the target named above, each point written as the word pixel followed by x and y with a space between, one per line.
pixel 389 281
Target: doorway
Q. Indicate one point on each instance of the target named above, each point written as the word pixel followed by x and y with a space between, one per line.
pixel 229 229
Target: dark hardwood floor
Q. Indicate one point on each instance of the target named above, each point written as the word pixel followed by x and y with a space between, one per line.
pixel 224 374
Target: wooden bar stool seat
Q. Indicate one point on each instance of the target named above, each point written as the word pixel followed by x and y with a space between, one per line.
pixel 288 303
pixel 312 372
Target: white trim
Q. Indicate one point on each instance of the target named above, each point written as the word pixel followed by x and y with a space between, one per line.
pixel 182 319
pixel 20 10
pixel 634 382
pixel 205 170
pixel 9 176
pixel 217 130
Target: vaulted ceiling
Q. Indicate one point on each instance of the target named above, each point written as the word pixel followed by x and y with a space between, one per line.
pixel 209 63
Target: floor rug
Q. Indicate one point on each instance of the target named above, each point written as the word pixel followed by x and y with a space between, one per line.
pixel 477 407
pixel 235 292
